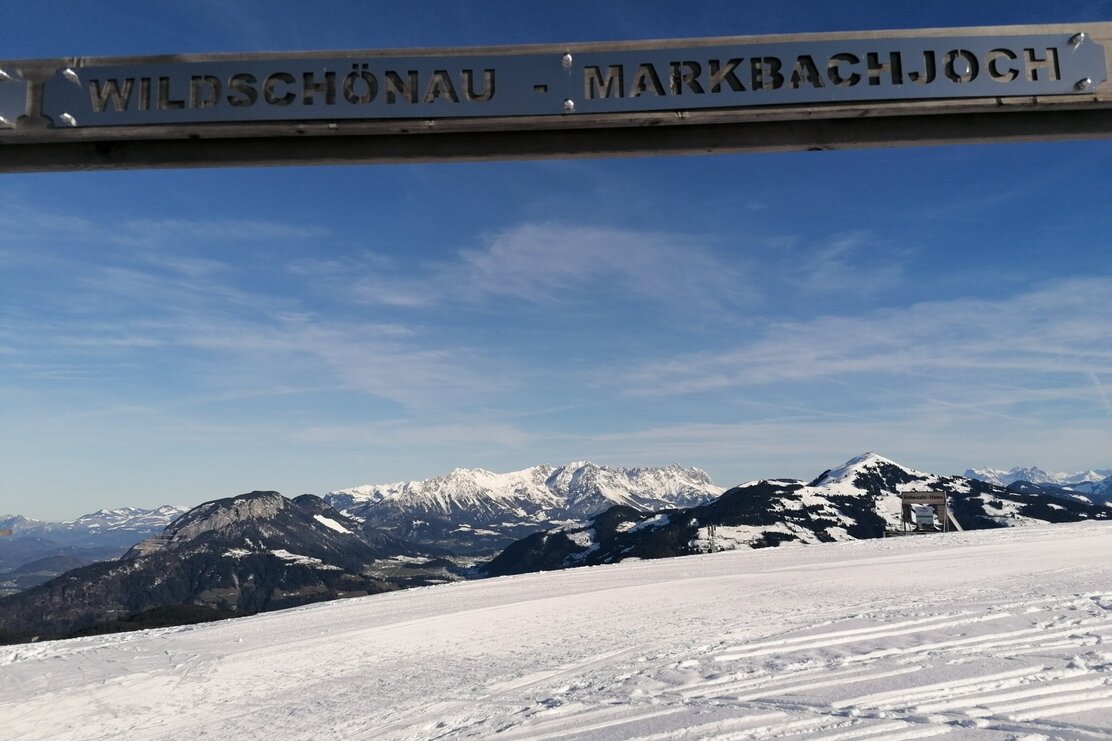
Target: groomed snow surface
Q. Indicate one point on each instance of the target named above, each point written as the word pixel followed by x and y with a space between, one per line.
pixel 990 634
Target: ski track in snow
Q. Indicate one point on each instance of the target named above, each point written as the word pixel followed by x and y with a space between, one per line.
pixel 990 634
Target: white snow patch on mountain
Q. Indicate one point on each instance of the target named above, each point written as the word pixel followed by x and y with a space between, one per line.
pixel 981 635
pixel 655 521
pixel 731 537
pixel 328 522
pixel 582 538
pixel 304 560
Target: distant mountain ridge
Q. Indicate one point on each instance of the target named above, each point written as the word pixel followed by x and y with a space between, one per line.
pixel 34 551
pixel 262 551
pixel 233 556
pixel 478 511
pixel 859 499
pixel 1035 475
pixel 124 520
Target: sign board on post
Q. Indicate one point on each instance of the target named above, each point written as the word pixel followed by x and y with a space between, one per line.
pixel 477 95
pixel 922 507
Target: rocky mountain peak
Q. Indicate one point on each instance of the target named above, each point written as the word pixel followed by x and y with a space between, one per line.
pixel 221 513
pixel 237 555
pixel 14 522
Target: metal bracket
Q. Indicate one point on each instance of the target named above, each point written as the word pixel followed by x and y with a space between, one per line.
pixel 13 97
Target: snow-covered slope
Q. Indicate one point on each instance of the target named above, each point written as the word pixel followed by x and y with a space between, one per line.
pixel 1096 490
pixel 477 511
pixel 975 503
pixel 979 635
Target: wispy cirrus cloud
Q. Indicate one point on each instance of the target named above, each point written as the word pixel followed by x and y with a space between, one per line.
pixel 1064 327
pixel 154 300
pixel 221 350
pixel 851 263
pixel 1102 393
pixel 161 231
pixel 21 222
pixel 553 264
pixel 545 262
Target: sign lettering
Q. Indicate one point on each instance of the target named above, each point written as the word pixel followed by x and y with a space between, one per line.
pixel 590 81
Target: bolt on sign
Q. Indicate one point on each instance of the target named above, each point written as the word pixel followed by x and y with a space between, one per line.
pixel 545 87
pixel 520 84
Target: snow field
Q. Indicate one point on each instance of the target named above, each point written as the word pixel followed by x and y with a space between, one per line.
pixel 989 634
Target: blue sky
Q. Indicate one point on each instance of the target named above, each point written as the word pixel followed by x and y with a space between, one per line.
pixel 176 336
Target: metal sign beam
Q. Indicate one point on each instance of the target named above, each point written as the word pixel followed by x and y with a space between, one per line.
pixel 743 94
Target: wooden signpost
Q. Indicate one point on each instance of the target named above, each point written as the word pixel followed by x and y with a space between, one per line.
pixel 914 501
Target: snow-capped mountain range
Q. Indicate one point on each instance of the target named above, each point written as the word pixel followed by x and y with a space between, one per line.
pixel 122 520
pixel 32 551
pixel 1082 480
pixel 477 511
pixel 857 500
pixel 262 551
